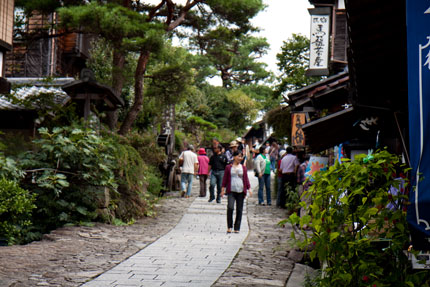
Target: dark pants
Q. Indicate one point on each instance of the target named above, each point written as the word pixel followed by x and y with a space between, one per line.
pixel 287 179
pixel 232 197
pixel 203 178
pixel 216 180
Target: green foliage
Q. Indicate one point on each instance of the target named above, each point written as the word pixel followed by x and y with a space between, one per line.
pixel 201 130
pixel 154 180
pixel 292 199
pixel 80 176
pixel 14 143
pixel 293 62
pixel 44 6
pixel 243 110
pixel 10 169
pixel 100 61
pixel 147 147
pixel 234 54
pixel 236 11
pixel 358 237
pixel 140 182
pixel 69 171
pixel 48 105
pixel 280 119
pixel 263 95
pixel 201 123
pixel 121 27
pixel 16 205
pixel 171 77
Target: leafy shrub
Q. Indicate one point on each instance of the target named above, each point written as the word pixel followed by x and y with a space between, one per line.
pixel 78 176
pixel 69 171
pixel 10 169
pixel 137 159
pixel 292 199
pixel 16 205
pixel 154 180
pixel 359 228
pixel 147 147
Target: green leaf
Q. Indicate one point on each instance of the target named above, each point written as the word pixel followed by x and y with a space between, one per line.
pixel 400 226
pixel 82 210
pixel 334 235
pixel 371 211
pixel 344 200
pixel 63 183
pixel 63 216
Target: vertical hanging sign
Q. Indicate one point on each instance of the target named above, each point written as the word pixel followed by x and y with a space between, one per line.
pixel 319 42
pixel 418 33
pixel 297 135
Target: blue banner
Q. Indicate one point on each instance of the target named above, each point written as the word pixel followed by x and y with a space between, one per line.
pixel 418 36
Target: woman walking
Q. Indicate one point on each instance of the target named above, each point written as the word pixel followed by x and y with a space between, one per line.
pixel 203 170
pixel 236 184
pixel 262 168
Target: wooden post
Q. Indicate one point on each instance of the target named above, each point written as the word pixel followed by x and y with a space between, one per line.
pixel 87 107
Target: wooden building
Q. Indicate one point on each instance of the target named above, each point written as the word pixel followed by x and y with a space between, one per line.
pixel 6 38
pixel 363 101
pixel 39 50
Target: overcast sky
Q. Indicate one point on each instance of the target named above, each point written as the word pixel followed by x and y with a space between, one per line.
pixel 279 21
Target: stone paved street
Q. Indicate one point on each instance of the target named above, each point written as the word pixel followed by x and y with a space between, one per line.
pixel 72 256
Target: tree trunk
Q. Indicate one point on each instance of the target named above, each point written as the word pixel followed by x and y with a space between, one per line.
pixel 138 93
pixel 117 85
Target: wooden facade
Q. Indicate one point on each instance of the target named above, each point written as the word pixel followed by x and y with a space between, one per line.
pixel 39 50
pixel 362 104
pixel 6 23
pixel 6 38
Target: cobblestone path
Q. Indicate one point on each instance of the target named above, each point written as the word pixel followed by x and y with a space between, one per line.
pixel 71 256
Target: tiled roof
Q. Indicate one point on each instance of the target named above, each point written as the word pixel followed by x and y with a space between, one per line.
pixel 60 97
pixel 35 88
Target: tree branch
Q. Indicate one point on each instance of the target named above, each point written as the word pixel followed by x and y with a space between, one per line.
pixel 154 11
pixel 53 169
pixel 183 14
pixel 170 11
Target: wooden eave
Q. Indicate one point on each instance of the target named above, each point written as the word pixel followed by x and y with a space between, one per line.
pixel 323 88
pixel 81 89
pixel 377 58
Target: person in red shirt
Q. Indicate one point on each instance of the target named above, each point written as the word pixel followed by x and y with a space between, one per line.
pixel 203 170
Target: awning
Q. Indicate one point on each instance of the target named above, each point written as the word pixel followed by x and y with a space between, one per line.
pixel 82 88
pixel 331 130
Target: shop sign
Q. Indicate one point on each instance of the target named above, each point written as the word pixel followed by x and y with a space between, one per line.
pixel 297 135
pixel 319 42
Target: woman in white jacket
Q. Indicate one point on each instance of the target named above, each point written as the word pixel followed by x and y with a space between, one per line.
pixel 262 169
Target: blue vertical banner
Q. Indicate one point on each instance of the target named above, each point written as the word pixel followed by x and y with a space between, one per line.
pixel 418 37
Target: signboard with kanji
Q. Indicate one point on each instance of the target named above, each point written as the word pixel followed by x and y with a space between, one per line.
pixel 297 135
pixel 319 42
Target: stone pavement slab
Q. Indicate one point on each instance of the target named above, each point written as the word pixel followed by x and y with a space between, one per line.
pixel 300 274
pixel 194 253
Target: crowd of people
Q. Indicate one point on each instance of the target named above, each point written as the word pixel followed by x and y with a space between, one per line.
pixel 227 172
